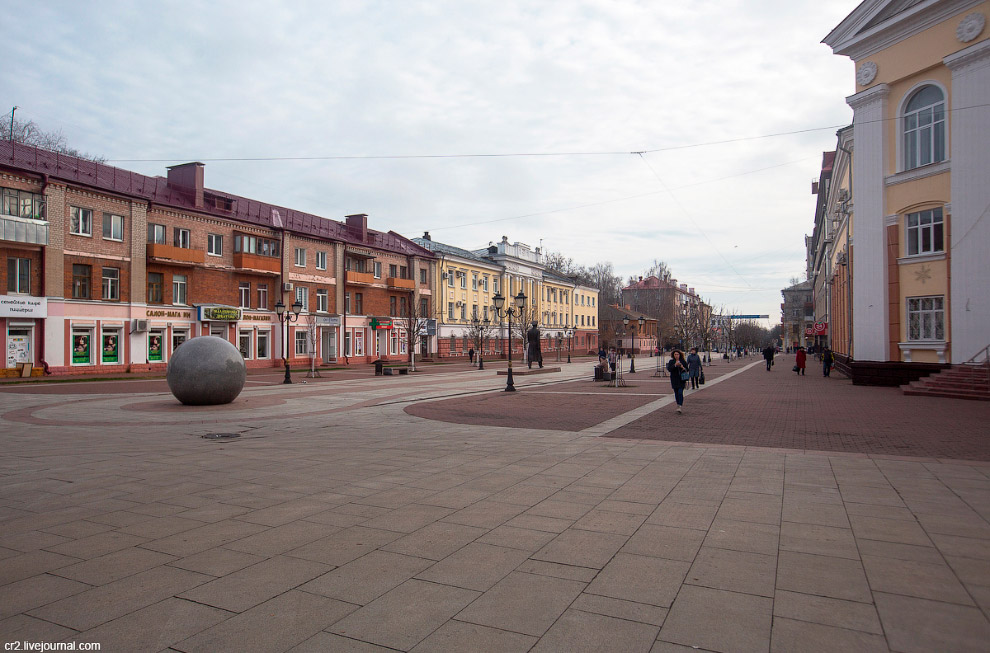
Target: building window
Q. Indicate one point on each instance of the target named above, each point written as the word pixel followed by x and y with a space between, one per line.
pixel 450 310
pixel 403 307
pixel 19 275
pixel 111 283
pixel 321 260
pixel 156 282
pixel 81 274
pixel 244 343
pixel 263 296
pixel 181 238
pixel 463 312
pixel 244 292
pixel 359 303
pixel 255 245
pixel 23 204
pixel 924 128
pixel 322 300
pixel 422 275
pixel 81 341
pixel 464 280
pixel 484 312
pixel 359 343
pixel 262 344
pixel 302 296
pixel 113 227
pixel 484 283
pixel 156 233
pixel 926 318
pixel 179 336
pixel 80 221
pixel 450 278
pixel 378 270
pixel 403 272
pixel 302 343
pixel 924 232
pixel 393 270
pixel 179 289
pixel 347 304
pixel 392 305
pixel 424 307
pixel 214 244
pixel 300 257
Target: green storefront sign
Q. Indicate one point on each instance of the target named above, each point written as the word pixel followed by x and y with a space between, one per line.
pixel 80 349
pixel 219 313
pixel 381 323
pixel 110 344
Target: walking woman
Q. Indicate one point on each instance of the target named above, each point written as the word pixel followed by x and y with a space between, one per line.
pixel 800 360
pixel 679 375
pixel 694 367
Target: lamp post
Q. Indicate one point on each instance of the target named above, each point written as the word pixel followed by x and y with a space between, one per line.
pixel 284 319
pixel 632 342
pixel 570 341
pixel 508 312
pixel 480 329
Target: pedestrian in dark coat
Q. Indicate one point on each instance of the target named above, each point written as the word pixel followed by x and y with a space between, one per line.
pixel 471 355
pixel 768 354
pixel 827 360
pixel 694 367
pixel 800 360
pixel 678 368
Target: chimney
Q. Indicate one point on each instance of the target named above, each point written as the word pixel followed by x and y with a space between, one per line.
pixel 683 287
pixel 187 178
pixel 426 236
pixel 357 226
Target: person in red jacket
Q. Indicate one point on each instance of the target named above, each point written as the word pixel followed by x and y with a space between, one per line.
pixel 800 360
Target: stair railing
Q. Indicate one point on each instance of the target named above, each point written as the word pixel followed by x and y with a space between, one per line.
pixel 974 361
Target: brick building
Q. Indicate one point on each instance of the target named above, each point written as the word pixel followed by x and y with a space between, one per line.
pixel 107 270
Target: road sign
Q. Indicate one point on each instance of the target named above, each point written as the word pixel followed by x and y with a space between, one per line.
pixel 750 317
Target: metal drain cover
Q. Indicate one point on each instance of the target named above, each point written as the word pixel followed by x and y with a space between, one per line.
pixel 221 436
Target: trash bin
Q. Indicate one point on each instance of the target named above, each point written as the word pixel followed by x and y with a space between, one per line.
pixel 379 368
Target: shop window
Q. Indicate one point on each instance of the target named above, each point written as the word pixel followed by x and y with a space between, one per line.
pixel 19 346
pixel 111 284
pixel 82 341
pixel 156 284
pixel 80 221
pixel 181 238
pixel 156 346
pixel 81 275
pixel 924 232
pixel 263 341
pixel 110 353
pixel 359 343
pixel 179 289
pixel 214 244
pixel 19 275
pixel 244 343
pixel 926 318
pixel 156 233
pixel 347 343
pixel 179 336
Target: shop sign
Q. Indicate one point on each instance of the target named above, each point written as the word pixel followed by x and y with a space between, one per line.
pixel 80 349
pixel 110 345
pixel 818 329
pixel 381 323
pixel 161 313
pixel 219 313
pixel 21 306
pixel 155 353
pixel 328 320
pixel 256 318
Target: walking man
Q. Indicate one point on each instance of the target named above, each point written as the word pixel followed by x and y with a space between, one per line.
pixel 768 354
pixel 827 360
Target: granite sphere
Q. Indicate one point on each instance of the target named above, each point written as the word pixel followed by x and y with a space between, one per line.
pixel 206 371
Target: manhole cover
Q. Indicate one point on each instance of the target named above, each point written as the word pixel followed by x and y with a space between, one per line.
pixel 221 436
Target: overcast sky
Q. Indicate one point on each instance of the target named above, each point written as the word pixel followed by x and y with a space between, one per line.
pixel 582 84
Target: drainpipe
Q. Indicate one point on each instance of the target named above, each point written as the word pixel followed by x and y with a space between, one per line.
pixel 44 321
pixel 849 264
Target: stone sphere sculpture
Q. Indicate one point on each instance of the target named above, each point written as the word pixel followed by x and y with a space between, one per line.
pixel 206 371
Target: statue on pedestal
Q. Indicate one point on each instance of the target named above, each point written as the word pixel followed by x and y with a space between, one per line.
pixel 533 351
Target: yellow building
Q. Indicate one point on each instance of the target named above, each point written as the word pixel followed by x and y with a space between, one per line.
pixel 921 129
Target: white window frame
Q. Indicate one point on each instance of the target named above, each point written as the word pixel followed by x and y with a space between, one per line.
pixel 321 260
pixel 16 278
pixel 925 232
pixel 450 310
pixel 301 339
pixel 916 131
pixel 156 233
pixel 80 221
pixel 929 319
pixel 180 281
pixel 249 333
pixel 182 238
pixel 450 278
pixel 263 296
pixel 214 244
pixel 86 332
pixel 110 285
pixel 244 294
pixel 263 336
pixel 300 257
pixel 116 224
pixel 322 300
pixel 302 296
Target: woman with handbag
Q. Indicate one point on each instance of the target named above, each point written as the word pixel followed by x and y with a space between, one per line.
pixel 679 375
pixel 694 367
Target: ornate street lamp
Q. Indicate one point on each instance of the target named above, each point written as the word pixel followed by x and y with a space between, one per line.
pixel 570 341
pixel 283 319
pixel 509 312
pixel 480 329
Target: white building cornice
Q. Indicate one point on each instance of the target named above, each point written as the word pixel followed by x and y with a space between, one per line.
pixel 867 97
pixel 974 55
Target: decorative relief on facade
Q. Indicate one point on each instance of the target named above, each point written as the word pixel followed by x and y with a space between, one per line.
pixel 867 73
pixel 970 27
pixel 923 274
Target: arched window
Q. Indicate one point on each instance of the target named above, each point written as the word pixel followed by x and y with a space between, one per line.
pixel 924 128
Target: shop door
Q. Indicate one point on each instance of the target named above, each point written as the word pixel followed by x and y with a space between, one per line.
pixel 381 342
pixel 218 330
pixel 329 345
pixel 19 347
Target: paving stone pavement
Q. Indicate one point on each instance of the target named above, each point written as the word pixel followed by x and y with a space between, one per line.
pixel 437 513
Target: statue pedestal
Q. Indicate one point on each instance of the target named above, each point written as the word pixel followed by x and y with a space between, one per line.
pixel 524 371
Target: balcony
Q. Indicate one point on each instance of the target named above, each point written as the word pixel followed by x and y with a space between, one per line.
pixel 176 254
pixel 247 261
pixel 401 284
pixel 350 276
pixel 23 230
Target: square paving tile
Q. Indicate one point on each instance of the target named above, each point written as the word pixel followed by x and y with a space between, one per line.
pixel 718 620
pixel 323 641
pixel 525 539
pixel 752 537
pixel 456 636
pixel 736 571
pixel 838 578
pixel 628 610
pixel 114 566
pixel 581 548
pixel 256 584
pixel 155 627
pixel 408 518
pixel 683 515
pixel 217 562
pixel 34 592
pixel 665 542
pixel 917 625
pixel 437 540
pixel 341 547
pixel 748 506
pixel 22 628
pixel 97 545
pixel 889 530
pixel 280 539
pixel 523 603
pixel 205 537
pixel 25 565
pixel 918 579
pixel 642 579
pixel 790 635
pixel 826 611
pixel 577 631
pixel 406 615
pixel 818 539
pixel 365 579
pixel 605 521
pixel 476 566
pixel 485 514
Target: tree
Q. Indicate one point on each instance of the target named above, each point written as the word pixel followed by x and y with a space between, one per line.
pixel 414 321
pixel 557 262
pixel 29 133
pixel 312 341
pixel 480 334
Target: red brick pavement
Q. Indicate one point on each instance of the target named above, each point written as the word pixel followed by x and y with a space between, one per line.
pixel 781 410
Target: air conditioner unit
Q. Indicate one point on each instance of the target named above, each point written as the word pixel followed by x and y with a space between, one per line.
pixel 460 303
pixel 288 286
pixel 139 326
